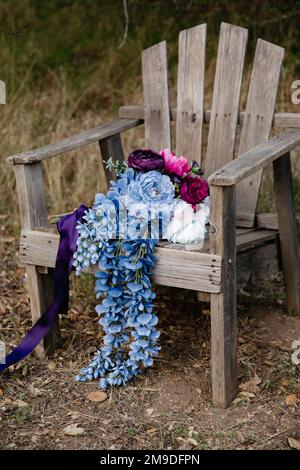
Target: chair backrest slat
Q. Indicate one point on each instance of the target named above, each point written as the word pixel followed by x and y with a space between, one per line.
pixel 226 96
pixel 258 115
pixel 190 91
pixel 156 99
pixel 258 121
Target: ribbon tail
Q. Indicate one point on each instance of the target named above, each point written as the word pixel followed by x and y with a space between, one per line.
pixel 63 265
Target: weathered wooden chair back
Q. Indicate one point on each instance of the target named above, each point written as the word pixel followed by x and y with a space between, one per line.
pixel 224 115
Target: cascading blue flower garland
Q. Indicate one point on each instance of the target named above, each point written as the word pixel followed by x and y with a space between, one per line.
pixel 126 312
pixel 119 234
pixel 156 197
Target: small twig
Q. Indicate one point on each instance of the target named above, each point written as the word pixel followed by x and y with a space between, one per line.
pixel 126 24
pixel 160 359
pixel 10 329
pixel 277 19
pixel 240 423
pixel 145 389
pixel 273 436
pixel 82 414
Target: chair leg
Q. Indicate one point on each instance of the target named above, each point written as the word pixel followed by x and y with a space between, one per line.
pixel 223 347
pixel 223 305
pixel 287 230
pixel 40 288
pixel 33 214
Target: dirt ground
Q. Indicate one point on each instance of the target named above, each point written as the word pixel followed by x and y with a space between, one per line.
pixel 169 407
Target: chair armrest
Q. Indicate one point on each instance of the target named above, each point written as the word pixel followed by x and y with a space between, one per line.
pixel 71 143
pixel 255 159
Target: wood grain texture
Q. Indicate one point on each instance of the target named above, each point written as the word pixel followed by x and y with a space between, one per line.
pixel 258 118
pixel 176 268
pixel 270 221
pixel 156 99
pixel 245 238
pixel 280 120
pixel 47 241
pixel 71 143
pixel 254 264
pixel 256 159
pixel 287 230
pixel 190 91
pixel 223 305
pixel 257 263
pixel 33 213
pixel 226 97
pixel 111 148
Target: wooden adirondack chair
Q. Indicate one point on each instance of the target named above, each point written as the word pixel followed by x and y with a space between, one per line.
pixel 234 182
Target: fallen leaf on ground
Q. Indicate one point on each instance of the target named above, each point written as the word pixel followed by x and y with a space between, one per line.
pixel 73 430
pixel 97 396
pixel 291 400
pixel 1 392
pixel 34 438
pixel 51 365
pixel 151 431
pixel 240 436
pixel 149 411
pixel 238 400
pixel 20 403
pixel 36 392
pixel 294 443
pixel 192 441
pixel 247 394
pixel 251 386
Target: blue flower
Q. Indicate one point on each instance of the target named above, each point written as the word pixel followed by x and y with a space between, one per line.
pixel 134 287
pixel 152 188
pixel 126 288
pixel 115 291
pixel 144 318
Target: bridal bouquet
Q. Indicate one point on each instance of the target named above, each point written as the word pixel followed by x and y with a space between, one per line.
pixel 156 196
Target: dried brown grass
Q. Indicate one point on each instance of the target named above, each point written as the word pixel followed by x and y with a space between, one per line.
pixel 39 114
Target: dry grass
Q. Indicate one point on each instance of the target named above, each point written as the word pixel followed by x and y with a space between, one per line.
pixel 66 74
pixel 35 118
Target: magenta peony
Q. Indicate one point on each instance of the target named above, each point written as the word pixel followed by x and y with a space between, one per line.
pixel 175 166
pixel 193 189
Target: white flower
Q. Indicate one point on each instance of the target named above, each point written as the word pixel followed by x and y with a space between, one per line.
pixel 187 225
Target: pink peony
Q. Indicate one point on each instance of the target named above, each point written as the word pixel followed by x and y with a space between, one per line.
pixel 175 166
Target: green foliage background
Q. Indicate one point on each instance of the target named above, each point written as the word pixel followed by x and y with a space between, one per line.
pixel 76 37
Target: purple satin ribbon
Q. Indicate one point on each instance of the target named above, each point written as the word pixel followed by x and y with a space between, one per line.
pixel 63 265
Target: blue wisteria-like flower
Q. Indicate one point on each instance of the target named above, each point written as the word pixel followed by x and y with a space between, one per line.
pixel 126 313
pixel 118 235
